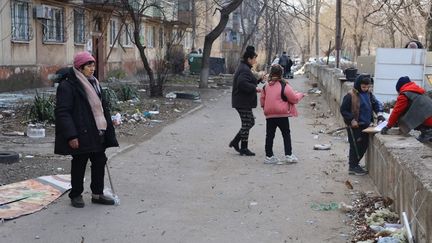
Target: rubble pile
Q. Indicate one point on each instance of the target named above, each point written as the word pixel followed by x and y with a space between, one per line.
pixel 373 221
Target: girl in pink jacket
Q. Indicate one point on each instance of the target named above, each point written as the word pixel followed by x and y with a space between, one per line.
pixel 278 100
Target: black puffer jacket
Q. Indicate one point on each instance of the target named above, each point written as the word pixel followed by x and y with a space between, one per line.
pixel 74 119
pixel 244 88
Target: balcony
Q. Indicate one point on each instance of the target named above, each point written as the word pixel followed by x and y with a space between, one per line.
pixel 107 5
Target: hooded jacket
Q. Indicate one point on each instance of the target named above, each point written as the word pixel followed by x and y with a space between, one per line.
pixel 402 104
pixel 74 119
pixel 351 108
pixel 272 103
pixel 244 93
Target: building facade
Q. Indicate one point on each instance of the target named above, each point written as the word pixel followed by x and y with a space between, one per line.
pixel 39 37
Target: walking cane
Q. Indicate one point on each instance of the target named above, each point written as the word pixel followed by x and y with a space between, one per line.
pixel 115 197
pixel 355 142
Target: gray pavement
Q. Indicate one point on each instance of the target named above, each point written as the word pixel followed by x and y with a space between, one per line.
pixel 186 185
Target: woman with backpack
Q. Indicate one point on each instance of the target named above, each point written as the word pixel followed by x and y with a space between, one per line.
pixel 278 101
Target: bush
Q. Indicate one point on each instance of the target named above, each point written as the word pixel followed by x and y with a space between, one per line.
pixel 111 98
pixel 42 109
pixel 117 74
pixel 127 92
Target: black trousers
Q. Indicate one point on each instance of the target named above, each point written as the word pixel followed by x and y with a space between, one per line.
pixel 359 142
pixel 247 122
pixel 283 124
pixel 78 168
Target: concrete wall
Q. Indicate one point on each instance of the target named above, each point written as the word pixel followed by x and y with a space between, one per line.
pixel 401 167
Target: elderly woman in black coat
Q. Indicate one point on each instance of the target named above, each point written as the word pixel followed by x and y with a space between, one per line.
pixel 244 98
pixel 83 128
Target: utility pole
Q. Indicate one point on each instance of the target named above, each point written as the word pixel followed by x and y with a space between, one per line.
pixel 317 7
pixel 338 31
pixel 192 2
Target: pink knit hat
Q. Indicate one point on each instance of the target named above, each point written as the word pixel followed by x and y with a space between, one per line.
pixel 82 58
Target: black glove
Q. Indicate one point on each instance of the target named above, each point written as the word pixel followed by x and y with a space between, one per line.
pixel 384 131
pixel 380 118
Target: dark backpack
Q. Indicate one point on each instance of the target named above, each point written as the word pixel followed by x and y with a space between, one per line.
pixel 283 97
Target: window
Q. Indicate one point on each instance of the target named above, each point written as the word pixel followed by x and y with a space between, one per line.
pixel 161 38
pixel 79 27
pixel 54 27
pixel 142 36
pixel 20 21
pixel 113 31
pixel 150 37
pixel 127 35
pixel 185 5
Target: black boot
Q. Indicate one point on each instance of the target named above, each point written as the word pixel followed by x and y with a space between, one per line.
pixel 244 149
pixel 235 143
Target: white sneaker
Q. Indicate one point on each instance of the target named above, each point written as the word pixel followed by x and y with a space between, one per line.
pixel 272 160
pixel 290 159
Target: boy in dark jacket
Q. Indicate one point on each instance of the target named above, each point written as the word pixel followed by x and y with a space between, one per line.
pixel 357 110
pixel 83 128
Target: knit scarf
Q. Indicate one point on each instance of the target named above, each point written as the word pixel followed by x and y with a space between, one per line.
pixel 93 99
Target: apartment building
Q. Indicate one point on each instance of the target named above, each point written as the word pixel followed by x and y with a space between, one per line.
pixel 37 37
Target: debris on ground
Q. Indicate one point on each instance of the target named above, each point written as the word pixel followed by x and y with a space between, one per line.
pixel 374 221
pixel 324 206
pixel 322 147
pixel 314 91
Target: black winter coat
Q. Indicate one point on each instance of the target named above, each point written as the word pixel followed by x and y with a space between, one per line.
pixel 74 119
pixel 244 93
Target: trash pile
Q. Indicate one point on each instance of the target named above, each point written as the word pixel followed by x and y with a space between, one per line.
pixel 373 221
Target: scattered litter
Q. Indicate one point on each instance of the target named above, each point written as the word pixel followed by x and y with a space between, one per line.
pixel 310 221
pixel 177 110
pixel 35 131
pixel 156 121
pixel 324 206
pixel 327 192
pixel 141 90
pixel 59 169
pixel 37 237
pixel 349 185
pixel 29 156
pixel 314 91
pixel 187 95
pixel 253 203
pixel 170 96
pixel 316 137
pixel 116 119
pixel 14 133
pixel 8 113
pixel 322 146
pixel 345 207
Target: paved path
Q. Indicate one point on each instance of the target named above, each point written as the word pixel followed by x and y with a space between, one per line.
pixel 186 185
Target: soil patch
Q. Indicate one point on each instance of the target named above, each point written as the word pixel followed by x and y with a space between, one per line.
pixel 36 154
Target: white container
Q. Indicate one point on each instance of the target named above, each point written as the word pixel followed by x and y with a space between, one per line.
pixel 35 131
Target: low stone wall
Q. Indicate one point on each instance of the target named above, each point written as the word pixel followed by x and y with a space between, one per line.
pixel 401 167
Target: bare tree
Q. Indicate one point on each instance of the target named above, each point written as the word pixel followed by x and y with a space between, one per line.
pixel 225 11
pixel 135 11
pixel 252 29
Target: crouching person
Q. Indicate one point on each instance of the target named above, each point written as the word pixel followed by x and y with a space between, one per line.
pixel 83 128
pixel 412 110
pixel 357 110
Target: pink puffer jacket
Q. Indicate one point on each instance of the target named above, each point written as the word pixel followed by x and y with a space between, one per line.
pixel 272 103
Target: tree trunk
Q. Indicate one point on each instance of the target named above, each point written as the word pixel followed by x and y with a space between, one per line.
pixel 429 30
pixel 212 36
pixel 155 90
